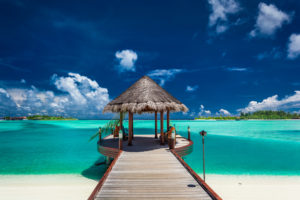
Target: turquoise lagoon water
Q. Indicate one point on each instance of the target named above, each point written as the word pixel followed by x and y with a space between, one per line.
pixel 232 147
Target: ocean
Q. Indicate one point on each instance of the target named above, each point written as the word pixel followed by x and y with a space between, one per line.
pixel 231 147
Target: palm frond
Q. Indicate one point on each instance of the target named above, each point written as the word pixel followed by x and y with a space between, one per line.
pixel 110 125
pixel 94 136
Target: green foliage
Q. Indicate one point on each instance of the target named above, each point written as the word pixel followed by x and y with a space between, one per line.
pixel 264 114
pixel 109 126
pixel 269 114
pixel 217 118
pixel 46 117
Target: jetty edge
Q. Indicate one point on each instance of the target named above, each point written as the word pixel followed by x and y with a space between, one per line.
pixel 163 175
pixel 147 168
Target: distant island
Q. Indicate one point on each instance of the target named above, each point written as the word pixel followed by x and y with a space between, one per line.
pixel 39 117
pixel 265 115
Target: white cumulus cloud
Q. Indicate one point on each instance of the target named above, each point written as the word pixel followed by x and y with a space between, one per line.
pixel 207 112
pixel 127 59
pixel 224 112
pixel 78 96
pixel 3 92
pixel 294 46
pixel 274 103
pixel 191 88
pixel 69 85
pixel 220 9
pixel 269 20
pixel 202 111
pixel 164 75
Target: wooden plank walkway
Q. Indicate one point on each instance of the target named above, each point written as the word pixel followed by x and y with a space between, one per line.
pixel 148 170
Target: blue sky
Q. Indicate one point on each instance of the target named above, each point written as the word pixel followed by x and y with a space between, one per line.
pixel 216 56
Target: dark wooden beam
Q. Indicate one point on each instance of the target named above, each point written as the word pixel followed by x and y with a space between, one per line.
pixel 168 119
pixel 132 135
pixel 156 124
pixel 130 128
pixel 162 138
pixel 121 131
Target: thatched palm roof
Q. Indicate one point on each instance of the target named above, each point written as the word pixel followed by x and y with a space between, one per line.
pixel 145 95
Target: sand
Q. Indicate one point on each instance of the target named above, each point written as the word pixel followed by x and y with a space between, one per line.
pixel 37 187
pixel 229 187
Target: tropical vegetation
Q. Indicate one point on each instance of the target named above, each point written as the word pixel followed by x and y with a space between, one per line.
pixel 109 126
pixel 269 114
pixel 46 117
pixel 264 114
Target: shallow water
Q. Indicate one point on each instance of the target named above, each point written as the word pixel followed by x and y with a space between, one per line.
pixel 231 147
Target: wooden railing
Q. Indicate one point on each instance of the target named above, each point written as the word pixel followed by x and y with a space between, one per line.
pixel 104 177
pixel 108 151
pixel 185 150
pixel 178 153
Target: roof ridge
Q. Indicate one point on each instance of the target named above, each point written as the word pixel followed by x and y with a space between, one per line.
pixel 145 95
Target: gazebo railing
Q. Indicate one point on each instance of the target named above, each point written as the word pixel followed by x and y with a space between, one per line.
pixel 185 150
pixel 107 151
pixel 104 177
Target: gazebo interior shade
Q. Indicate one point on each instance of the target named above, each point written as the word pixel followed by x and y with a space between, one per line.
pixel 145 95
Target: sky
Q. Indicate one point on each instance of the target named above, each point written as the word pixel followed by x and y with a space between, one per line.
pixel 71 58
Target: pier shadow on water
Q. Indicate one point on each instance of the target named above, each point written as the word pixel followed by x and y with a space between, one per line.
pixel 95 171
pixel 140 144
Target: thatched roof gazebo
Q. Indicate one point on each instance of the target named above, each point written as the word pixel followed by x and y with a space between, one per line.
pixel 145 96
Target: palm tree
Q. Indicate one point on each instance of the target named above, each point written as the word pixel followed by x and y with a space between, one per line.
pixel 110 125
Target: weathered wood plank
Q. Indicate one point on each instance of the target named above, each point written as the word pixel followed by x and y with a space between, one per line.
pixel 148 170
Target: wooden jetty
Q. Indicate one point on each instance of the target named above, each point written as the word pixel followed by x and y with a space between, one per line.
pixel 148 170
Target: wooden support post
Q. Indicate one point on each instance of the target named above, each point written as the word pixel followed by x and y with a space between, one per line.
pixel 162 137
pixel 203 133
pixel 189 133
pixel 121 132
pixel 100 137
pixel 168 119
pixel 132 135
pixel 129 128
pixel 174 141
pixel 203 159
pixel 155 124
pixel 121 120
pixel 171 140
pixel 175 133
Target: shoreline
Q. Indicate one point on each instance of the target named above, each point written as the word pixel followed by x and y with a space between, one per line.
pixel 40 119
pixel 258 187
pixel 66 186
pixel 48 187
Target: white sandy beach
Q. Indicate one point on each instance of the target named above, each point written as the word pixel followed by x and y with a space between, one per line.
pixel 229 187
pixel 37 187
